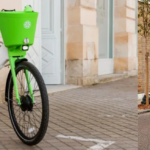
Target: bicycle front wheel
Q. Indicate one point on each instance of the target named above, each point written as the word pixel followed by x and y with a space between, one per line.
pixel 29 120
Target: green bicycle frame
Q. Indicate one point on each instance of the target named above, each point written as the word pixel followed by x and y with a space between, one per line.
pixel 16 54
pixel 18 29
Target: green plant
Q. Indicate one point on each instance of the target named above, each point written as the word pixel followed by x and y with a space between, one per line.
pixel 144 15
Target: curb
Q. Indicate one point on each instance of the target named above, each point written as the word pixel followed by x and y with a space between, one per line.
pixel 143 111
pixel 63 90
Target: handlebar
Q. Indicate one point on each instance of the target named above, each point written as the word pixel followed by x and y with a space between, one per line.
pixel 8 10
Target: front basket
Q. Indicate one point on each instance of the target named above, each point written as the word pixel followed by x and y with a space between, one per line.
pixel 16 26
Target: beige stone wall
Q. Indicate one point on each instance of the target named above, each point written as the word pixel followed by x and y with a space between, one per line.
pixel 82 42
pixel 7 4
pixel 125 51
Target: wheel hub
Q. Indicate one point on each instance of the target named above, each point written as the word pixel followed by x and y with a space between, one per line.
pixel 26 103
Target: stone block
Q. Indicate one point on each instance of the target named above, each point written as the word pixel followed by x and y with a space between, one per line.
pixel 125 38
pixel 132 63
pixel 94 67
pixel 75 51
pixel 90 50
pixel 90 37
pixel 81 72
pixel 132 50
pixel 89 80
pixel 131 3
pixel 74 15
pixel 132 38
pixel 78 15
pixel 73 3
pixel 130 13
pixel 74 68
pixel 120 12
pixel 125 45
pixel 124 25
pixel 75 34
pixel 85 3
pixel 88 3
pixel 71 80
pixel 86 34
pixel 123 12
pixel 121 38
pixel 88 17
pixel 120 3
pixel 90 34
pixel 120 25
pixel 80 81
pixel 121 51
pixel 130 26
pixel 86 68
pixel 81 51
pixel 120 65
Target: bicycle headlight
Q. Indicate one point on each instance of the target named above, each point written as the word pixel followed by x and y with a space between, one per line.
pixel 25 47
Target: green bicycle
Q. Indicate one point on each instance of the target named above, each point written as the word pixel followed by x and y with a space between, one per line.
pixel 25 91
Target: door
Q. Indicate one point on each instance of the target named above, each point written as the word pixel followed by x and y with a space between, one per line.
pixel 51 68
pixel 34 54
pixel 105 25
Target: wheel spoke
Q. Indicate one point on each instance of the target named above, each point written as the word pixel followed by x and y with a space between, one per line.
pixel 28 121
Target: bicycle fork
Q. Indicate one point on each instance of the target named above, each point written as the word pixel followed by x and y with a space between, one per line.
pixel 12 60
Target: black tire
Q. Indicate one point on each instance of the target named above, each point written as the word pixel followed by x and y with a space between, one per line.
pixel 35 131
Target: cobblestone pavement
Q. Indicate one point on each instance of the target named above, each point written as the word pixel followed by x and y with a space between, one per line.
pixel 106 112
pixel 144 131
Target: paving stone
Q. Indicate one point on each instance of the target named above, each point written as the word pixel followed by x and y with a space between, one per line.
pixel 144 131
pixel 106 111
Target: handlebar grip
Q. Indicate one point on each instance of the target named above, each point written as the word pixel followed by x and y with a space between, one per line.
pixel 8 10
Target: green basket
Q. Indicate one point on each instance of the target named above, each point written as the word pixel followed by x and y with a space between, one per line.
pixel 17 27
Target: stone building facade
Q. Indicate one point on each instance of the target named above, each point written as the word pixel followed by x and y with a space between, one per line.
pixel 97 37
pixel 83 46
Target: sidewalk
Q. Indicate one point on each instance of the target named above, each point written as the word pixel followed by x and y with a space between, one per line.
pixel 144 131
pixel 84 119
